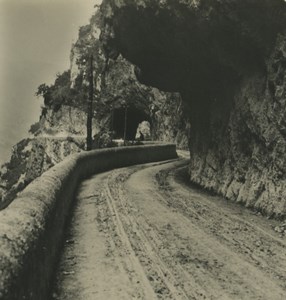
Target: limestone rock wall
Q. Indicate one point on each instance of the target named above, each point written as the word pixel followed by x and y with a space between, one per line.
pixel 66 121
pixel 226 58
pixel 118 86
pixel 171 122
pixel 61 129
pixel 32 157
pixel 245 160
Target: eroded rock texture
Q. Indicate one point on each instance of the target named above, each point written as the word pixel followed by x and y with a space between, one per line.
pixel 118 87
pixel 61 130
pixel 30 158
pixel 227 60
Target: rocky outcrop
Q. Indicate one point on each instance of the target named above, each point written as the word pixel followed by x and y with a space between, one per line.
pixel 227 60
pixel 57 135
pixel 32 157
pixel 33 226
pixel 171 122
pixel 66 121
pixel 118 87
pixel 61 129
pixel 243 158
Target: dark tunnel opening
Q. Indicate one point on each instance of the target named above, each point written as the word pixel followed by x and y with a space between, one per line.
pixel 226 58
pixel 205 53
pixel 133 116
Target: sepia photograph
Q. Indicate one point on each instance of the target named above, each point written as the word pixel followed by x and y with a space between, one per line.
pixel 142 149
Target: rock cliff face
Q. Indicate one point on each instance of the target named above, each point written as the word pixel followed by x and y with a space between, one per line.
pixel 245 160
pixel 30 158
pixel 66 121
pixel 61 129
pixel 227 60
pixel 118 87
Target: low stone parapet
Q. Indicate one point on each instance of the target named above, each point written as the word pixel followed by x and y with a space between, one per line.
pixel 32 226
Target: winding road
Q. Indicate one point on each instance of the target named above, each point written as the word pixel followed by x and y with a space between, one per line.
pixel 143 233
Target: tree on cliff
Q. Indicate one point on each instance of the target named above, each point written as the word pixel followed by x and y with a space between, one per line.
pixel 58 93
pixel 44 91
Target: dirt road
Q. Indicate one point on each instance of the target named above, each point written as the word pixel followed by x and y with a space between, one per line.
pixel 143 233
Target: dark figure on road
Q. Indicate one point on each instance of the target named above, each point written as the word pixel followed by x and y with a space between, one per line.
pixel 141 138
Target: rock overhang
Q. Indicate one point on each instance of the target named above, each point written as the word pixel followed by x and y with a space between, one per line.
pixel 197 46
pixel 226 59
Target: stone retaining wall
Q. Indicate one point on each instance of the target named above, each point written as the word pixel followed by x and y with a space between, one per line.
pixel 32 227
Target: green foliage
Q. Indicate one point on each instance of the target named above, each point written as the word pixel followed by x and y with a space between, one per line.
pixel 84 30
pixel 34 128
pixel 57 94
pixel 44 91
pixel 60 93
pixel 62 79
pixel 103 140
pixel 61 89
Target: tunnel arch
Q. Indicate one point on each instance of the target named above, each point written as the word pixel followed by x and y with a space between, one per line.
pixel 225 59
pixel 133 118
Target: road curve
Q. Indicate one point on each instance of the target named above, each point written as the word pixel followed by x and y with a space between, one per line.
pixel 142 233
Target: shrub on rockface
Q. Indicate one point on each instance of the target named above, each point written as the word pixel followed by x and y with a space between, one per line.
pixel 58 93
pixel 74 91
pixel 34 128
pixel 103 139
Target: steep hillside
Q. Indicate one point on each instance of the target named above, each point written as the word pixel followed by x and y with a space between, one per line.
pixel 116 88
pixel 30 158
pixel 61 129
pixel 227 60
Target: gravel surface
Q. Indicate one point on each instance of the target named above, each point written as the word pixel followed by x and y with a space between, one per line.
pixel 143 233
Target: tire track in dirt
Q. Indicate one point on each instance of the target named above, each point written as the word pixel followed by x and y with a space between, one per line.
pixel 139 233
pixel 258 245
pixel 233 276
